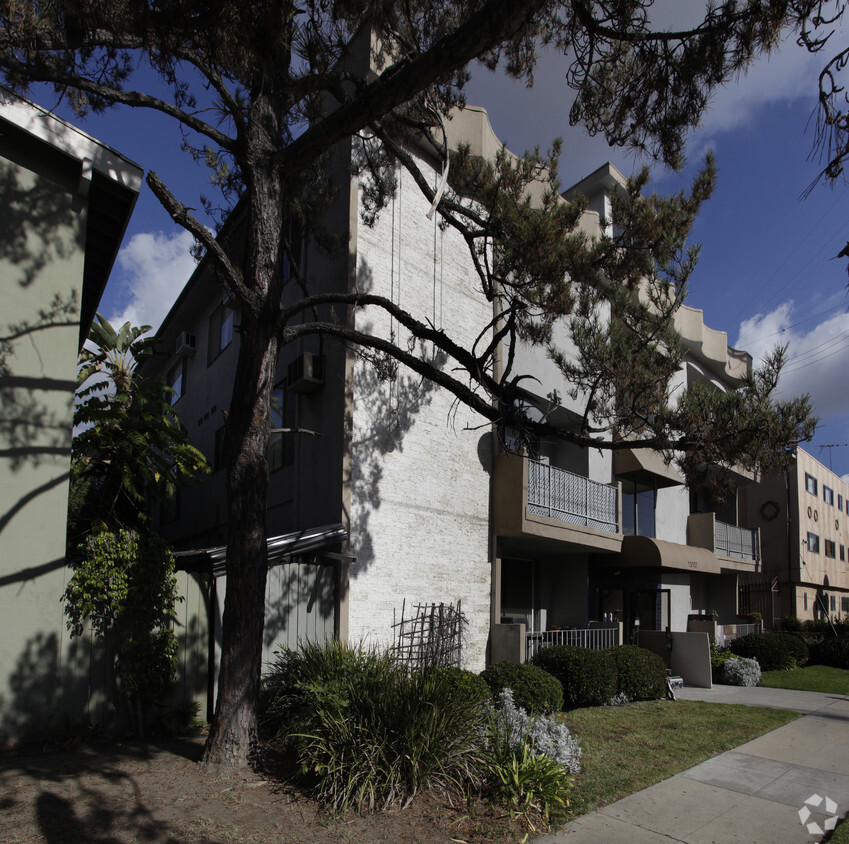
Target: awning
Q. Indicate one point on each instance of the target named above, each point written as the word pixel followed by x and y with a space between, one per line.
pixel 627 461
pixel 280 548
pixel 650 552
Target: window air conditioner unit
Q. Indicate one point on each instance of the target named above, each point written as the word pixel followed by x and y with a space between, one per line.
pixel 305 373
pixel 186 345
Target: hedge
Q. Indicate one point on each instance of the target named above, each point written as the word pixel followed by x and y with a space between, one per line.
pixel 534 689
pixel 641 673
pixel 773 651
pixel 588 677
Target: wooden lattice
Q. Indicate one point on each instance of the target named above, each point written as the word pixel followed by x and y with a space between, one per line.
pixel 431 636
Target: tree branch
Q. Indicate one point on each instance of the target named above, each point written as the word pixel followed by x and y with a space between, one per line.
pixel 179 213
pixel 496 22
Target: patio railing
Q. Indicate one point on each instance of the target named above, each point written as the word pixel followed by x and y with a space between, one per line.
pixel 732 541
pixel 595 638
pixel 559 494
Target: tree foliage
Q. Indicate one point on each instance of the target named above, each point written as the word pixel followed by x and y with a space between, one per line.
pixel 130 449
pixel 265 90
pixel 125 589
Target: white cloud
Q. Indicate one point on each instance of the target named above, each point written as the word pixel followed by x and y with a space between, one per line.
pixel 153 267
pixel 818 357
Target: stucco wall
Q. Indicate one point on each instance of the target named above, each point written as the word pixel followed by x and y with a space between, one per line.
pixel 42 238
pixel 420 502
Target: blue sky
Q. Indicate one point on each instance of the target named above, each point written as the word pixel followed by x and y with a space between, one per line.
pixel 768 272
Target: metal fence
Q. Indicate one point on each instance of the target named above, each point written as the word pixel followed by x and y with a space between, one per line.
pixel 595 638
pixel 571 498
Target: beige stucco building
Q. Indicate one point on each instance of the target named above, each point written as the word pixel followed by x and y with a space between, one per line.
pixel 65 200
pixel 803 518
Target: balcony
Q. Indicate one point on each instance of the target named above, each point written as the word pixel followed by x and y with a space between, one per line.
pixel 727 541
pixel 567 497
pixel 534 499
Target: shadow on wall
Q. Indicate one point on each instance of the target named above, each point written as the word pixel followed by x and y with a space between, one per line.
pixel 300 603
pixel 62 688
pixel 35 422
pixel 35 211
pixel 388 400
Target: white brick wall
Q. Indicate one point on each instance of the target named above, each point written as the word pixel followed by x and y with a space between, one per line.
pixel 420 508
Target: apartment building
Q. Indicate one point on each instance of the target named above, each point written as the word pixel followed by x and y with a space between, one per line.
pixel 803 517
pixel 434 507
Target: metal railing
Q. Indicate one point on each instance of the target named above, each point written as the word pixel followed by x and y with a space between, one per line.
pixel 595 638
pixel 729 632
pixel 732 541
pixel 559 494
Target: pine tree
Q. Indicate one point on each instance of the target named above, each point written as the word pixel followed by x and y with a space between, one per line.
pixel 284 86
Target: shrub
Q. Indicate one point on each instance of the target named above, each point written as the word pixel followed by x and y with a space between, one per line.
pixel 367 734
pixel 125 589
pixel 588 677
pixel 771 650
pixel 465 684
pixel 797 647
pixel 530 759
pixel 718 658
pixel 641 673
pixel 816 625
pixel 739 671
pixel 533 688
pixel 791 624
pixel 833 652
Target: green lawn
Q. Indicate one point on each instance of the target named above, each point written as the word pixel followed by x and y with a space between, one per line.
pixel 840 835
pixel 627 748
pixel 811 678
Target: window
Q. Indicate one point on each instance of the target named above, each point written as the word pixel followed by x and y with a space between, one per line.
pixel 177 380
pixel 828 495
pixel 833 602
pixel 839 501
pixel 638 505
pixel 280 446
pixel 842 553
pixel 810 484
pixel 806 600
pixel 220 331
pixel 813 543
pixel 844 605
pixel 829 548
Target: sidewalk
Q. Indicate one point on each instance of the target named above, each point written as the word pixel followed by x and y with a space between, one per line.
pixel 750 794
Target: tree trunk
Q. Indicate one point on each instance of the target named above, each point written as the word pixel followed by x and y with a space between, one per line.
pixel 233 733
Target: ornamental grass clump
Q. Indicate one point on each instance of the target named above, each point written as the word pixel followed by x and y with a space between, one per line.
pixel 367 734
pixel 739 671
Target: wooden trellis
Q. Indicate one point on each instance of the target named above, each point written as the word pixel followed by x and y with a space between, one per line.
pixel 432 636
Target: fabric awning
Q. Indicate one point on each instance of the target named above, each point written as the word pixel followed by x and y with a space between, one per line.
pixel 650 552
pixel 280 548
pixel 628 460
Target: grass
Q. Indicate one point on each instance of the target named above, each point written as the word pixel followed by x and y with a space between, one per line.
pixel 628 748
pixel 811 678
pixel 840 834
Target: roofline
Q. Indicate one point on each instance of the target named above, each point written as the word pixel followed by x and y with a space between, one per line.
pixel 69 139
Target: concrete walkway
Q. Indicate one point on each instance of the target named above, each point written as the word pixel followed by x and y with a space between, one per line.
pixel 750 794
